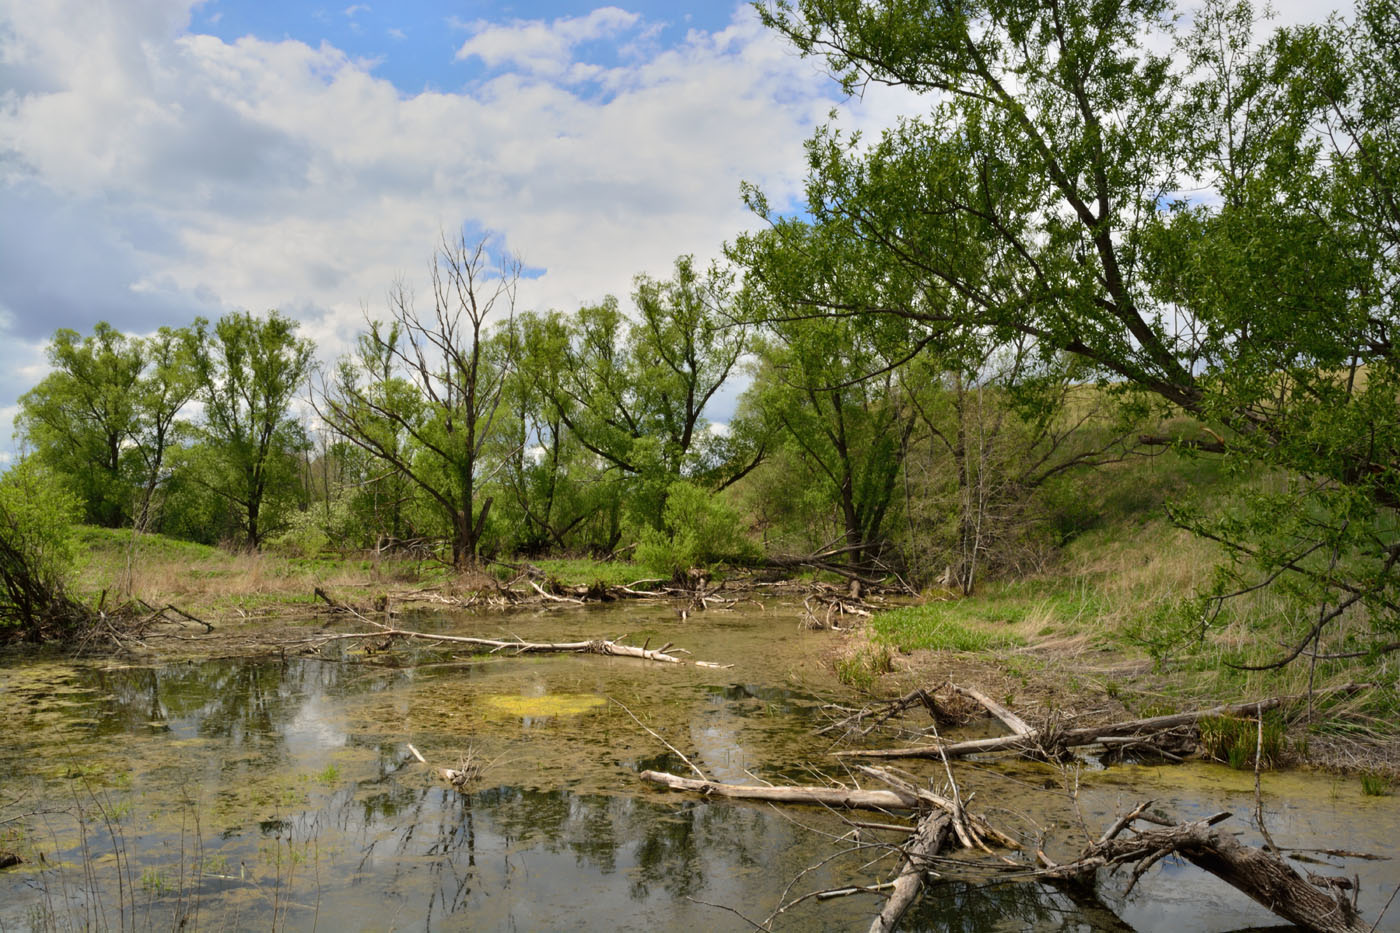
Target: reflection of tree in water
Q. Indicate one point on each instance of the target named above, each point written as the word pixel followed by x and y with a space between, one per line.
pixel 675 850
pixel 962 907
pixel 560 821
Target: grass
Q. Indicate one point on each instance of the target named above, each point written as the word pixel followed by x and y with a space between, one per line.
pixel 1375 785
pixel 1236 741
pixel 583 571
pixel 950 626
pixel 199 578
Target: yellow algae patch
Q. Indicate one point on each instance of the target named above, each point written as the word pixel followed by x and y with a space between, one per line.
pixel 554 704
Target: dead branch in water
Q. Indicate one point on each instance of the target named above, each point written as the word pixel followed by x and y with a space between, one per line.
pixel 595 646
pixel 1315 903
pixel 1051 742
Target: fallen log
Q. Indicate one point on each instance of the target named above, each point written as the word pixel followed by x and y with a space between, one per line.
pixel 1015 723
pixel 1047 741
pixel 1263 876
pixel 931 836
pixel 901 796
pixel 849 798
pixel 596 646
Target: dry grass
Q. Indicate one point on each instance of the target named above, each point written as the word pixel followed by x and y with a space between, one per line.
pixel 159 570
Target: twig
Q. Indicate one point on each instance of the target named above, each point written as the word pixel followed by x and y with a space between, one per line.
pixel 655 735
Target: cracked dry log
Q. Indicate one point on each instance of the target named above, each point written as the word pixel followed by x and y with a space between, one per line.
pixel 931 836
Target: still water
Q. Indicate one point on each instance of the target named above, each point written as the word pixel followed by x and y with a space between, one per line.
pixel 241 794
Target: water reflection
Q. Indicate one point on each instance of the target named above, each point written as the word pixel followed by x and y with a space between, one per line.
pixel 282 793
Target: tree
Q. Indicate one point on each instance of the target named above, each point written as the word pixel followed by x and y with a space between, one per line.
pixel 1038 198
pixel 249 370
pixel 556 491
pixel 167 385
pixel 635 394
pixel 36 554
pixel 423 396
pixel 81 416
pixel 102 419
pixel 847 429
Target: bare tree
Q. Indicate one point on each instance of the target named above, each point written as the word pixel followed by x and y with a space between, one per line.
pixel 422 393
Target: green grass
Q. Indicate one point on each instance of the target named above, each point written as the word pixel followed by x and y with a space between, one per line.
pixel 115 541
pixel 583 571
pixel 1375 785
pixel 950 626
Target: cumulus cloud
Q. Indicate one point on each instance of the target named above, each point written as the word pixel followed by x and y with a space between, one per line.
pixel 149 174
pixel 543 47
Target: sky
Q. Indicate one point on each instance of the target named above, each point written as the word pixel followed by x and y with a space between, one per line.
pixel 167 159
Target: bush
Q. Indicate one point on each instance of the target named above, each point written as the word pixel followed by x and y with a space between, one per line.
pixel 37 554
pixel 698 530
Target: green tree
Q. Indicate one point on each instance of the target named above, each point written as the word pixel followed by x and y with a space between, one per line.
pixel 249 370
pixel 1037 198
pixel 635 394
pixel 423 395
pixel 81 417
pixel 846 427
pixel 166 386
pixel 556 491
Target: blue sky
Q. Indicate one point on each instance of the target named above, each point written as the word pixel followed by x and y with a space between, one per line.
pixel 163 159
pixel 167 159
pixel 412 43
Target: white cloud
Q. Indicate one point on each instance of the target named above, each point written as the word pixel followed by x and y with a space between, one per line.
pixel 256 174
pixel 148 174
pixel 540 47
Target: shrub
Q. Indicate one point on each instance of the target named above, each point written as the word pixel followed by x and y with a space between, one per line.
pixel 37 553
pixel 698 529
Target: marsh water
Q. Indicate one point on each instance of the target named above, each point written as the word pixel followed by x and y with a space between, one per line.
pixel 282 793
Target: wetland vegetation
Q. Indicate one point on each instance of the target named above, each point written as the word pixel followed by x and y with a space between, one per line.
pixel 1078 385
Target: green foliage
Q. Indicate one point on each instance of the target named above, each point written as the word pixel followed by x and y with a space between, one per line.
pixel 1237 741
pixel 939 626
pixel 1376 785
pixel 863 667
pixel 586 572
pixel 422 396
pixel 249 370
pixel 698 529
pixel 102 418
pixel 37 554
pixel 1031 206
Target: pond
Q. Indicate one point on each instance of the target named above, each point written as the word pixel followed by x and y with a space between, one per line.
pixel 282 793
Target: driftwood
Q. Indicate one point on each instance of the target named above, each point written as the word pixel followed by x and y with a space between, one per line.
pixel 596 646
pixel 1049 741
pixel 1016 724
pixel 1316 904
pixel 929 838
pixel 848 798
pixel 901 796
pixel 878 715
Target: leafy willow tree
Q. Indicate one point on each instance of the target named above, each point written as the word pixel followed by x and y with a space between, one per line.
pixel 423 395
pixel 846 431
pixel 81 416
pixel 103 418
pixel 634 393
pixel 249 370
pixel 558 499
pixel 1037 199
